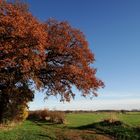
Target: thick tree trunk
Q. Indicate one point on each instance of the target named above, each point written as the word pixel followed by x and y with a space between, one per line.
pixel 3 106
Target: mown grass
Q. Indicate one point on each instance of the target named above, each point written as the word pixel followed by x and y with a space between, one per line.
pixel 130 118
pixel 78 119
pixel 28 130
pixel 79 126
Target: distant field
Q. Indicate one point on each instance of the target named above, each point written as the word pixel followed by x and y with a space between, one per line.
pixel 79 126
pixel 130 118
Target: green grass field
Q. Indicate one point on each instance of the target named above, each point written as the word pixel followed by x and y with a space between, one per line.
pixel 79 126
pixel 75 120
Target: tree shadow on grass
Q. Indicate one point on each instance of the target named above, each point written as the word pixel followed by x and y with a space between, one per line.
pixel 116 129
pixel 46 136
pixel 90 127
pixel 41 122
pixel 64 131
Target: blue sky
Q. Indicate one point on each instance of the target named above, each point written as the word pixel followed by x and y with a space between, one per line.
pixel 112 28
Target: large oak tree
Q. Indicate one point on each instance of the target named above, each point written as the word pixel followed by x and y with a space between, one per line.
pixel 22 47
pixel 52 56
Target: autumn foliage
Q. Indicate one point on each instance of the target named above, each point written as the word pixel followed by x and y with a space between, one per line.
pixel 68 60
pixel 52 56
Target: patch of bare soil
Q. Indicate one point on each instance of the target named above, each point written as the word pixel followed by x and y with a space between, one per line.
pixel 80 135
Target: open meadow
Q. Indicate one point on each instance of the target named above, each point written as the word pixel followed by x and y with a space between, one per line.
pixel 79 126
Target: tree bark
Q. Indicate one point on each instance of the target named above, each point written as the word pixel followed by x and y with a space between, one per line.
pixel 3 106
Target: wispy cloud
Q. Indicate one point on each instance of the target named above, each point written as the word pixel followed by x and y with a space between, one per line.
pixel 86 104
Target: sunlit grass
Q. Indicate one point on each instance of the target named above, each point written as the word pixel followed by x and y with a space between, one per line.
pixel 30 130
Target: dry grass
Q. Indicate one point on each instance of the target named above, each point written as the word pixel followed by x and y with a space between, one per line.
pixel 46 115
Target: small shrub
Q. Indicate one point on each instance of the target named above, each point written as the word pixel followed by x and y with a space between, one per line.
pixel 57 117
pixel 111 122
pixel 112 119
pixel 43 114
pixel 38 114
pixel 22 114
pixel 46 115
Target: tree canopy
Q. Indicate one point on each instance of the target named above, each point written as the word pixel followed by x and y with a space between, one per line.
pixel 52 56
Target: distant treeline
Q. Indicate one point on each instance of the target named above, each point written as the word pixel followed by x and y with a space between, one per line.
pixel 97 111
